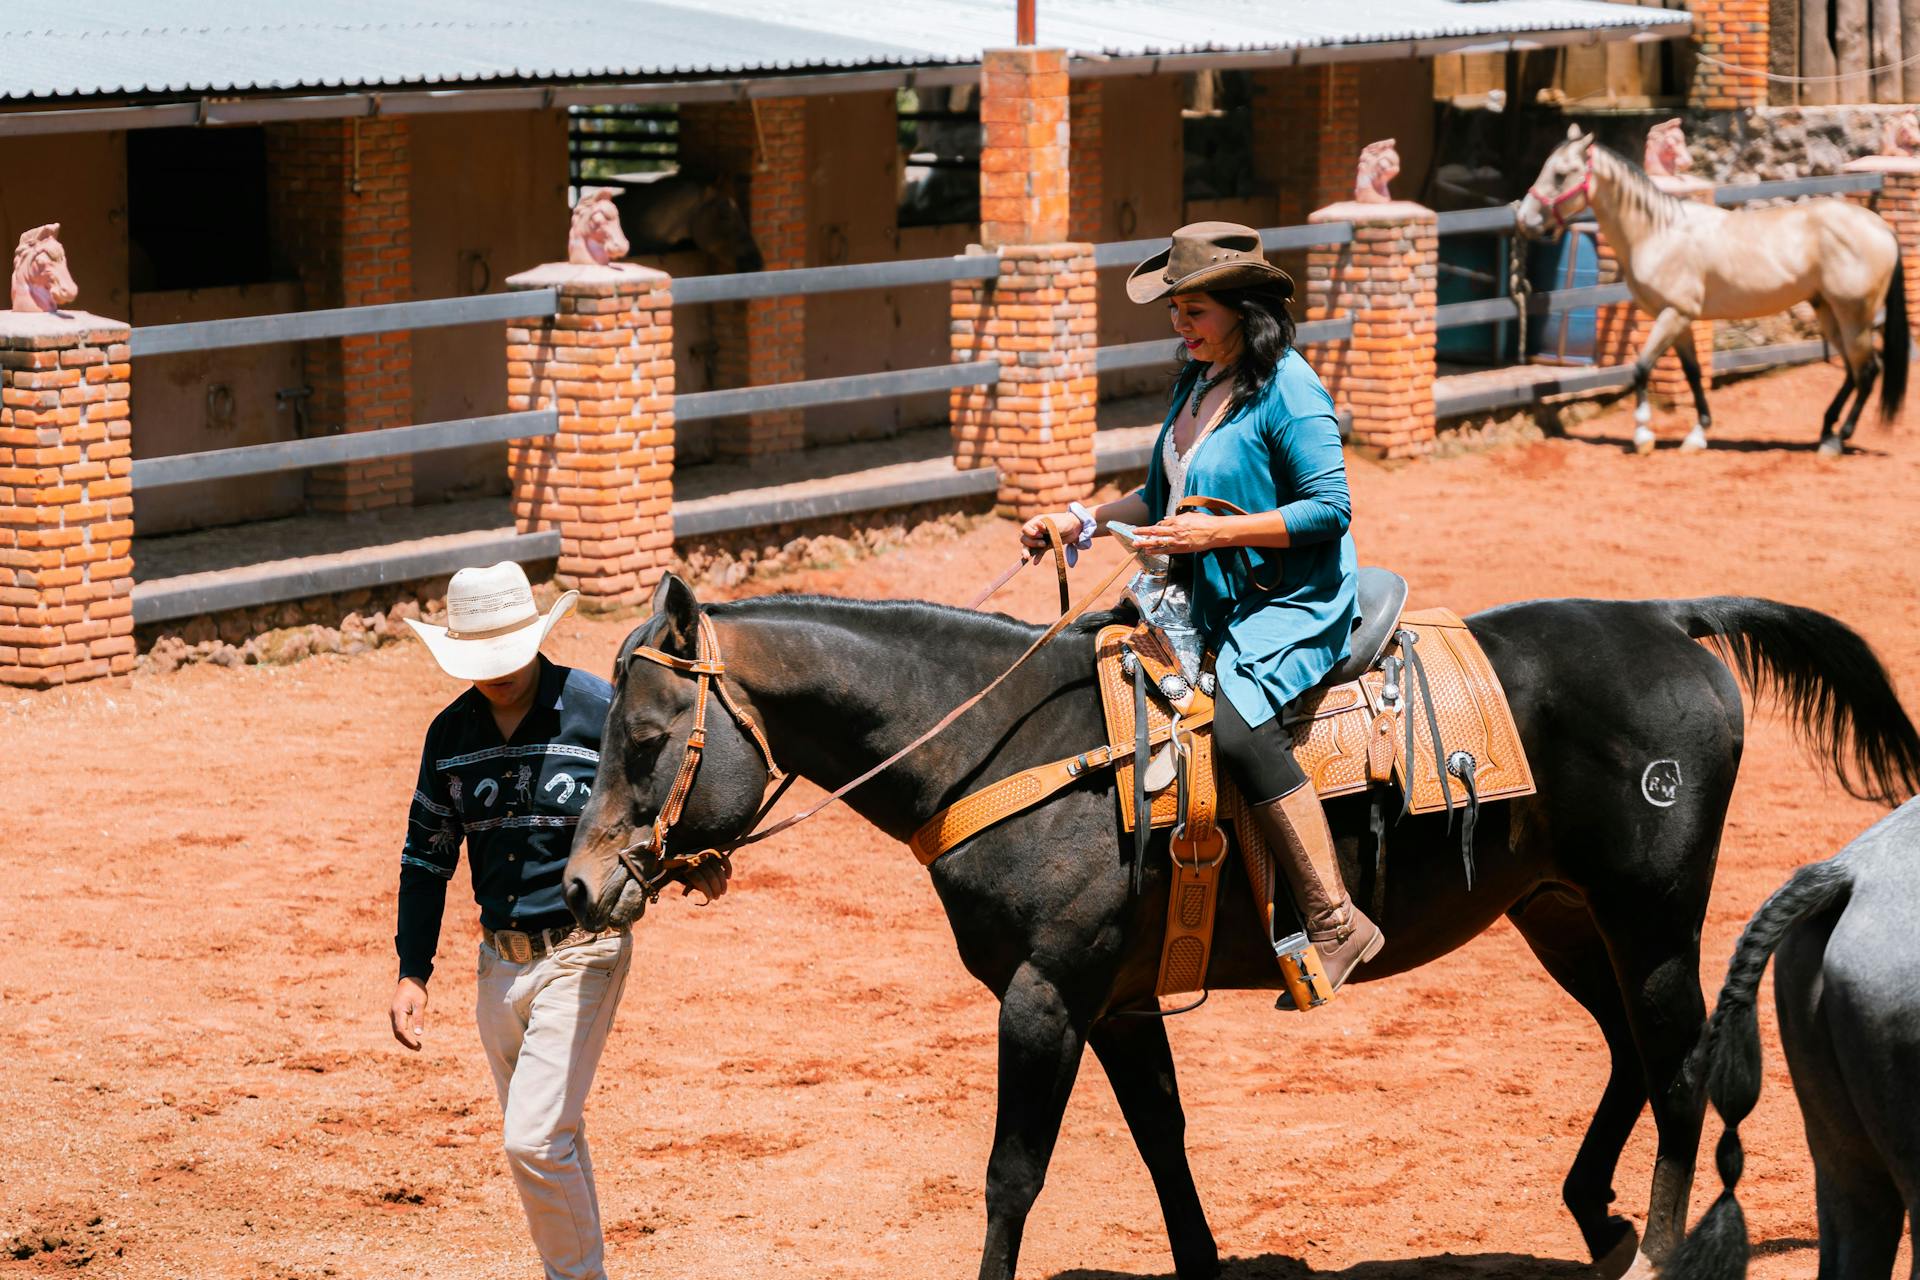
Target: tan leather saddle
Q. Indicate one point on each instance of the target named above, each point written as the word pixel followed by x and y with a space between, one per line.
pixel 1416 706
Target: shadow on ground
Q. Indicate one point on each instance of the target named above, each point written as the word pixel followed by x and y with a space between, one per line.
pixel 1444 1266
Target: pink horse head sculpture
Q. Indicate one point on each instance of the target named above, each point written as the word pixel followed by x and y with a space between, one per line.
pixel 41 281
pixel 1379 165
pixel 595 237
pixel 1900 135
pixel 1667 155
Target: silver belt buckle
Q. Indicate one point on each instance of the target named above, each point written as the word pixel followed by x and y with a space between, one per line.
pixel 514 945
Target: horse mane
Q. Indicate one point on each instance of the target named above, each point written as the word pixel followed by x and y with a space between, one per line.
pixel 1639 191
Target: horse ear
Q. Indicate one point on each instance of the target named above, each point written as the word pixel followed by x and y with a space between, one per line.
pixel 1573 133
pixel 673 600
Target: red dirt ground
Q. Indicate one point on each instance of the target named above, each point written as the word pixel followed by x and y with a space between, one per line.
pixel 198 960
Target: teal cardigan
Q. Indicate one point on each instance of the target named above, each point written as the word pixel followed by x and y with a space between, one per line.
pixel 1279 634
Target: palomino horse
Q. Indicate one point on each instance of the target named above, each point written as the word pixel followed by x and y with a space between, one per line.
pixel 1685 261
pixel 1605 877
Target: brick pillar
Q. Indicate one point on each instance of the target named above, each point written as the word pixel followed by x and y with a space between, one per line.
pixel 762 341
pixel 1898 201
pixel 1386 280
pixel 605 481
pixel 338 192
pixel 66 499
pixel 1622 329
pixel 1306 136
pixel 1039 317
pixel 1086 178
pixel 1735 32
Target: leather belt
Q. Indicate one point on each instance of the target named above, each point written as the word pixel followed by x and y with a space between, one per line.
pixel 520 947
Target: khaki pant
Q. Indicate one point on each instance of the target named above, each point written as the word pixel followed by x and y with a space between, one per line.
pixel 544 1024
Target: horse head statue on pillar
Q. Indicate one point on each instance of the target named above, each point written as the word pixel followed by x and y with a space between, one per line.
pixel 595 238
pixel 41 281
pixel 1667 155
pixel 1900 135
pixel 1379 165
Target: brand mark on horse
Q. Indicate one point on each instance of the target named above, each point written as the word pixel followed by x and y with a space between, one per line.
pixel 1660 783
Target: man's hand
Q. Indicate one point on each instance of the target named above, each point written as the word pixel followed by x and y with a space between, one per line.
pixel 709 879
pixel 409 1012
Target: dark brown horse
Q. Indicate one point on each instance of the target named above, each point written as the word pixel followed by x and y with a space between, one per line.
pixel 1603 872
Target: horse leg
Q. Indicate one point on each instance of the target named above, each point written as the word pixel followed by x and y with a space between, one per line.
pixel 1830 330
pixel 1860 355
pixel 1558 927
pixel 1139 1065
pixel 1667 327
pixel 1690 364
pixel 1656 959
pixel 1039 1056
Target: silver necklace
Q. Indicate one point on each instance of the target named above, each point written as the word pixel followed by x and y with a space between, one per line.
pixel 1201 386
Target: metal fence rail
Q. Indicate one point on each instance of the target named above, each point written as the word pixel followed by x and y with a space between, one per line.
pixel 340 322
pixel 321 451
pixel 805 281
pixel 1159 351
pixel 701 406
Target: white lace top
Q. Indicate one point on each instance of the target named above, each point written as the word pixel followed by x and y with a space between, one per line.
pixel 1175 463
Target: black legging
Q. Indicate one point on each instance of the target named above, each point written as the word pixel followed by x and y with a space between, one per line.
pixel 1260 761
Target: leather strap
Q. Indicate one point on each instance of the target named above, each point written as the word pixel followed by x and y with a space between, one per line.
pixel 998 801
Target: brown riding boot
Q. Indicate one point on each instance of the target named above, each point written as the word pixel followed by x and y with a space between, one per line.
pixel 1296 830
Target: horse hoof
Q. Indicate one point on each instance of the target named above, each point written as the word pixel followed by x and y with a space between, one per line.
pixel 1832 447
pixel 1696 441
pixel 1643 441
pixel 1623 1257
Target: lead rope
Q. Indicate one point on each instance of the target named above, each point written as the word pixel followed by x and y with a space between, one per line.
pixel 1518 286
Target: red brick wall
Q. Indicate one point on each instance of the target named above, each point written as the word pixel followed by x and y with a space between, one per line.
pixel 605 480
pixel 1306 126
pixel 762 341
pixel 339 195
pixel 1731 31
pixel 66 500
pixel 1023 160
pixel 1386 280
pixel 1036 424
pixel 1086 185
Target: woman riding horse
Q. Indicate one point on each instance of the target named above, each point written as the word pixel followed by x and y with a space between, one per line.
pixel 1272 585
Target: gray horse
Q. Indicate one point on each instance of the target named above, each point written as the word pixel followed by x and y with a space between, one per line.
pixel 1847 989
pixel 687 208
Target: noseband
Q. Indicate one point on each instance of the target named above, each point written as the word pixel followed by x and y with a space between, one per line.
pixel 708 669
pixel 1582 188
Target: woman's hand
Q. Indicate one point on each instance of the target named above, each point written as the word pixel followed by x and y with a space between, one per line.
pixel 1033 534
pixel 1183 533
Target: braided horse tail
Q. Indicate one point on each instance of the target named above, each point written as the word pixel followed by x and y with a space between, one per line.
pixel 1717 1249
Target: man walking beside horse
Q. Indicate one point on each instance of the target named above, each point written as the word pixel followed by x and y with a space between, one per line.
pixel 507 767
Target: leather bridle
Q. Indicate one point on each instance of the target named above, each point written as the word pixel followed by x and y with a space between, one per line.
pixel 709 668
pixel 1582 188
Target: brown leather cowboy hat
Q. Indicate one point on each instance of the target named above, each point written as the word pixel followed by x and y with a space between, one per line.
pixel 1206 255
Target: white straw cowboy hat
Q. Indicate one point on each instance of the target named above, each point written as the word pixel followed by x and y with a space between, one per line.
pixel 1206 255
pixel 493 626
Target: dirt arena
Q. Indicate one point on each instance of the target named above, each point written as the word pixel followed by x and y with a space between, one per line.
pixel 198 931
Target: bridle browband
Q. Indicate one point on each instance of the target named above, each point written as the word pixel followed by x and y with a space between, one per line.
pixel 709 668
pixel 1582 188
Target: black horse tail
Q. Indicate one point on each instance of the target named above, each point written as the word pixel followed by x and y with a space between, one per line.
pixel 1828 680
pixel 1895 345
pixel 1730 1043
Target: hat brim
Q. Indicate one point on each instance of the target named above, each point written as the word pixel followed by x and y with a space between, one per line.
pixel 1148 282
pixel 491 657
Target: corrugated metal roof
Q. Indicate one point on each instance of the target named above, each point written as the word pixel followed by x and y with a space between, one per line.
pixel 87 48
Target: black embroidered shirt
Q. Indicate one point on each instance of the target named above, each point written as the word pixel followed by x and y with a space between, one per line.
pixel 515 802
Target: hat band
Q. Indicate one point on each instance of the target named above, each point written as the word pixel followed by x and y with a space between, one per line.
pixel 492 632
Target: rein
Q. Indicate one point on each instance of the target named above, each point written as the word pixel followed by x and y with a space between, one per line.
pixel 709 669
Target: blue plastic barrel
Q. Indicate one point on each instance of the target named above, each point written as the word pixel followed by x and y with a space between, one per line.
pixel 1572 262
